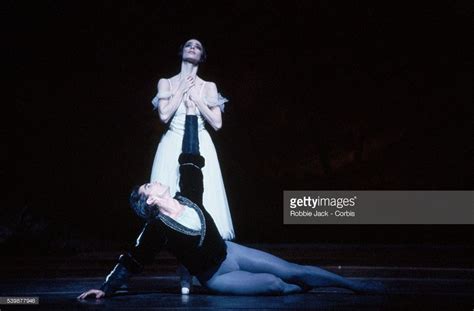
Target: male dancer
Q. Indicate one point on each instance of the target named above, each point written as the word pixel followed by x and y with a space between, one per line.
pixel 183 225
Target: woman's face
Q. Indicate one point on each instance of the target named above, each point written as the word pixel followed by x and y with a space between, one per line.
pixel 192 51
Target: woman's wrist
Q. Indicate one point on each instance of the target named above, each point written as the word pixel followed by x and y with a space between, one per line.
pixel 179 92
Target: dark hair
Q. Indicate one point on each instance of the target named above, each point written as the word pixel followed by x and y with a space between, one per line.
pixel 203 54
pixel 140 206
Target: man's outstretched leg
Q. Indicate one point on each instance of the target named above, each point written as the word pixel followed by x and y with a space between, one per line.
pixel 258 263
pixel 248 283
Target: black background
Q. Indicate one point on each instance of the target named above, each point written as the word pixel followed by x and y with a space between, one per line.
pixel 323 95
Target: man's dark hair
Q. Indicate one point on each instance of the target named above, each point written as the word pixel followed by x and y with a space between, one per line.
pixel 138 203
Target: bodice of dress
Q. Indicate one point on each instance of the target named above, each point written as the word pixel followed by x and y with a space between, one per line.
pixel 179 119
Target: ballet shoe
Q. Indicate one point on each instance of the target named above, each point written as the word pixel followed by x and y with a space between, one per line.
pixel 186 283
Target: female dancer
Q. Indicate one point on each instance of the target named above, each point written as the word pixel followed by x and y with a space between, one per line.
pixel 169 102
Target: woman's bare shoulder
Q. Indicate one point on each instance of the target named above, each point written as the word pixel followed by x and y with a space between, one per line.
pixel 165 82
pixel 209 85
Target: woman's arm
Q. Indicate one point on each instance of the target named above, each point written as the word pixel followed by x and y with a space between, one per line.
pixel 168 107
pixel 213 115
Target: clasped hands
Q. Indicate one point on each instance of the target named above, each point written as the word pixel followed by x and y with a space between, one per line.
pixel 185 85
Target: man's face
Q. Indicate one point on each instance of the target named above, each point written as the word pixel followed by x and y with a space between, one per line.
pixel 155 189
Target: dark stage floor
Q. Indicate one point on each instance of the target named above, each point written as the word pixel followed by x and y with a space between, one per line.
pixel 420 277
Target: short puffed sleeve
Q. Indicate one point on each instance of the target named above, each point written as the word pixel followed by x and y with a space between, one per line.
pixel 216 101
pixel 161 95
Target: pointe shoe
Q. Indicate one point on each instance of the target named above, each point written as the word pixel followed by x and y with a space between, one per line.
pixel 185 291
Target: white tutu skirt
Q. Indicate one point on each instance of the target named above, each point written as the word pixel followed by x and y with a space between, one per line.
pixel 166 170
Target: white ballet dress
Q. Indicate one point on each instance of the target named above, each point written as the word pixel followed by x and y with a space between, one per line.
pixel 166 168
